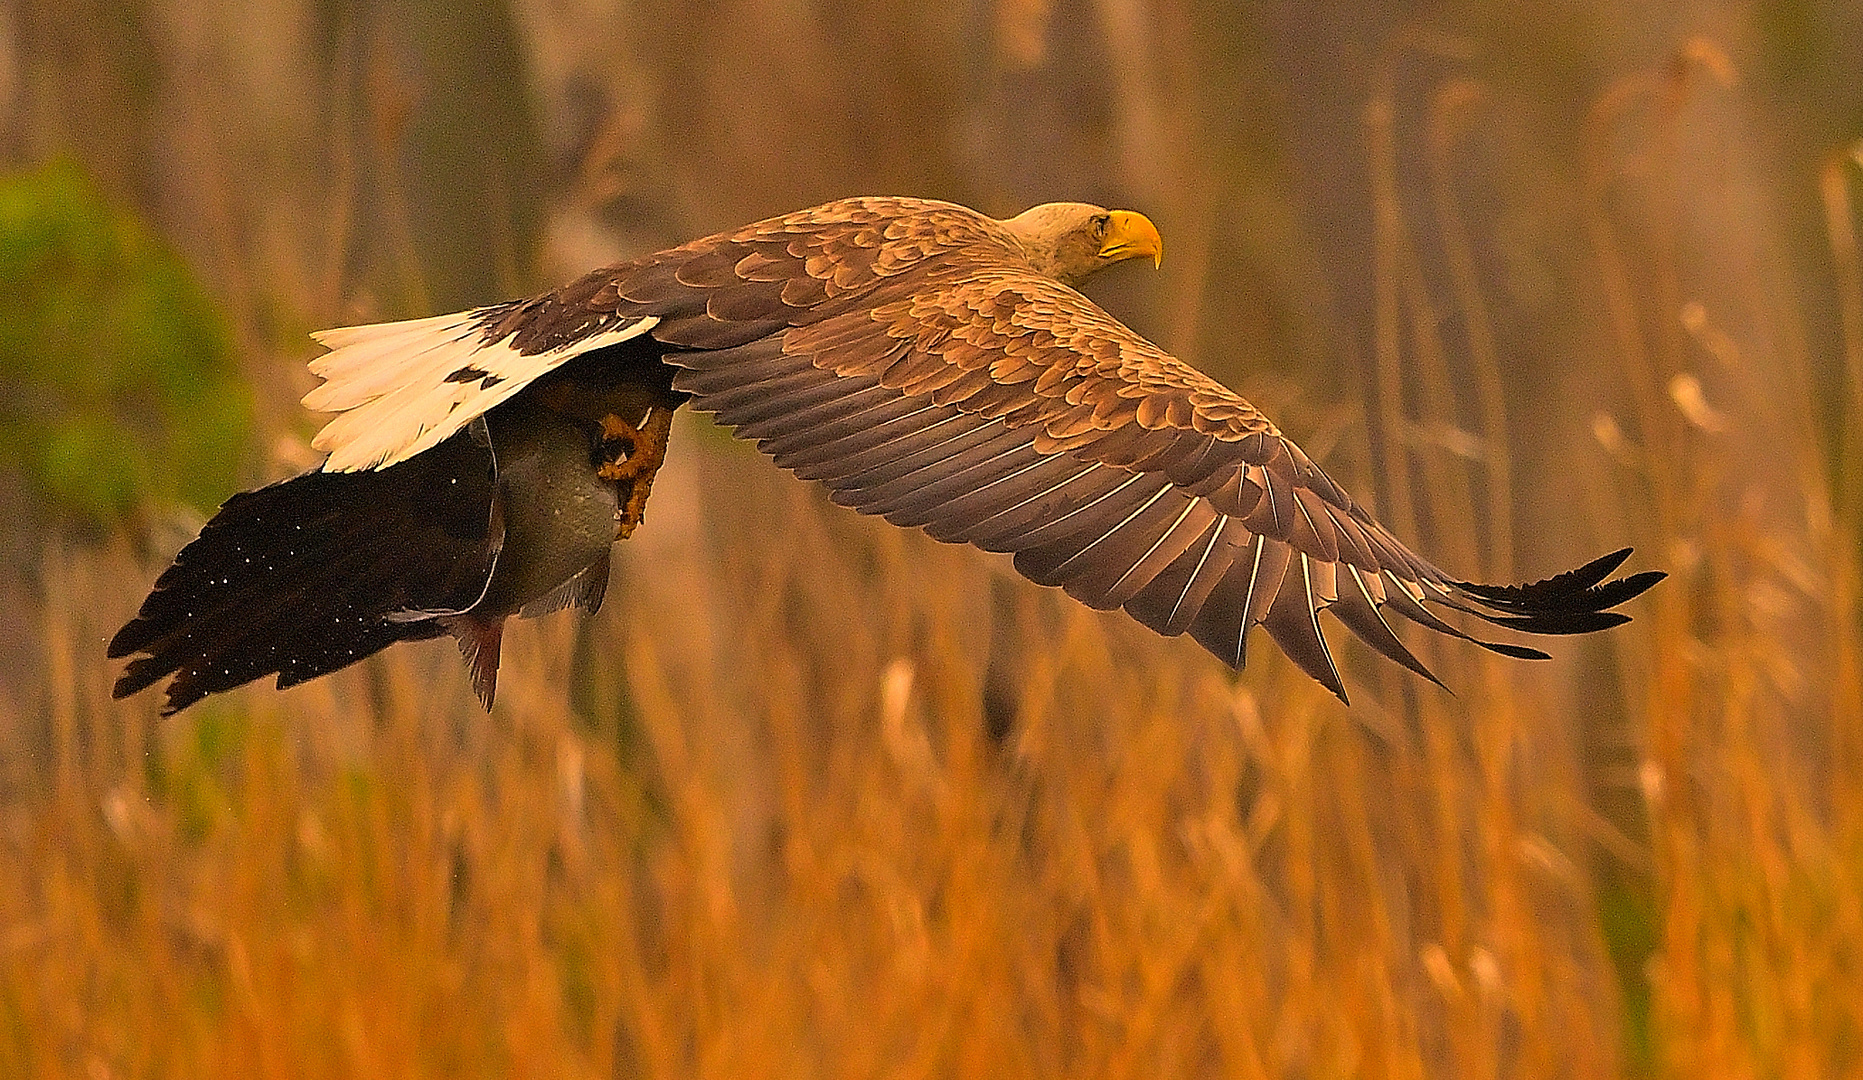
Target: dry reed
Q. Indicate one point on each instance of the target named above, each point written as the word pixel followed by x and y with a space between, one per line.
pixel 815 797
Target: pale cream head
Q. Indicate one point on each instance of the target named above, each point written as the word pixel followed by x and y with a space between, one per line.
pixel 1069 241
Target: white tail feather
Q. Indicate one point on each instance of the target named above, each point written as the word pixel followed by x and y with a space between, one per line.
pixel 390 383
pixel 371 369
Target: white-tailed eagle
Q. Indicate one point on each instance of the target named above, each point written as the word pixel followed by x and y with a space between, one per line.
pixel 924 362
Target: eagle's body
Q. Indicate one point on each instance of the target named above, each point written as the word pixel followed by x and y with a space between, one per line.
pixel 921 360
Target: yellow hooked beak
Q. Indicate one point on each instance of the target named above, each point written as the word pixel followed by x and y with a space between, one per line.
pixel 1130 234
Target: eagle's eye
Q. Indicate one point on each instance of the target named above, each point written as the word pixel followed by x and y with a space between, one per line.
pixel 1100 222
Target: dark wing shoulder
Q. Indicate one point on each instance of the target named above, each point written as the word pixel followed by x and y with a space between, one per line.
pixel 991 405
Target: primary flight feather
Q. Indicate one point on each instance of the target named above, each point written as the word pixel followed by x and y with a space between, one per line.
pixel 922 361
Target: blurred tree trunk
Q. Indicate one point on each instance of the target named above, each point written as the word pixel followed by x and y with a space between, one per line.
pixel 479 175
pixel 86 80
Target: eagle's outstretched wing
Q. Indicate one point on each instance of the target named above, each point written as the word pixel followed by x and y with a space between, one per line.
pixel 1008 411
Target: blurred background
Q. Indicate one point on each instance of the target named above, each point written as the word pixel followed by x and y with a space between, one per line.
pixel 817 797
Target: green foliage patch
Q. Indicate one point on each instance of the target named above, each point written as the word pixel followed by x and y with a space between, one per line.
pixel 117 376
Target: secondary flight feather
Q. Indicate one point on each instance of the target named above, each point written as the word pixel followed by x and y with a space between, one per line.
pixel 922 361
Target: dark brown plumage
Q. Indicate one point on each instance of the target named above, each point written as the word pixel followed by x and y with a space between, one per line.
pixel 923 362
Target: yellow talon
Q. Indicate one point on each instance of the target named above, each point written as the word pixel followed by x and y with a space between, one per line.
pixel 632 455
pixel 613 427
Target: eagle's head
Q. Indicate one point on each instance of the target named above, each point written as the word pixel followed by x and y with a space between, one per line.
pixel 1069 241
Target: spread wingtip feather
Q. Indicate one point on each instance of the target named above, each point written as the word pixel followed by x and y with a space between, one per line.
pixel 1576 602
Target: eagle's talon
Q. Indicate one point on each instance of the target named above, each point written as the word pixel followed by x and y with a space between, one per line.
pixel 613 427
pixel 631 456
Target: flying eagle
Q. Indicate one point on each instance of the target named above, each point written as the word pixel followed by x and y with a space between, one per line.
pixel 924 362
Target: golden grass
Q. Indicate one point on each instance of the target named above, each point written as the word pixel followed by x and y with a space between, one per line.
pixel 814 797
pixel 768 833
